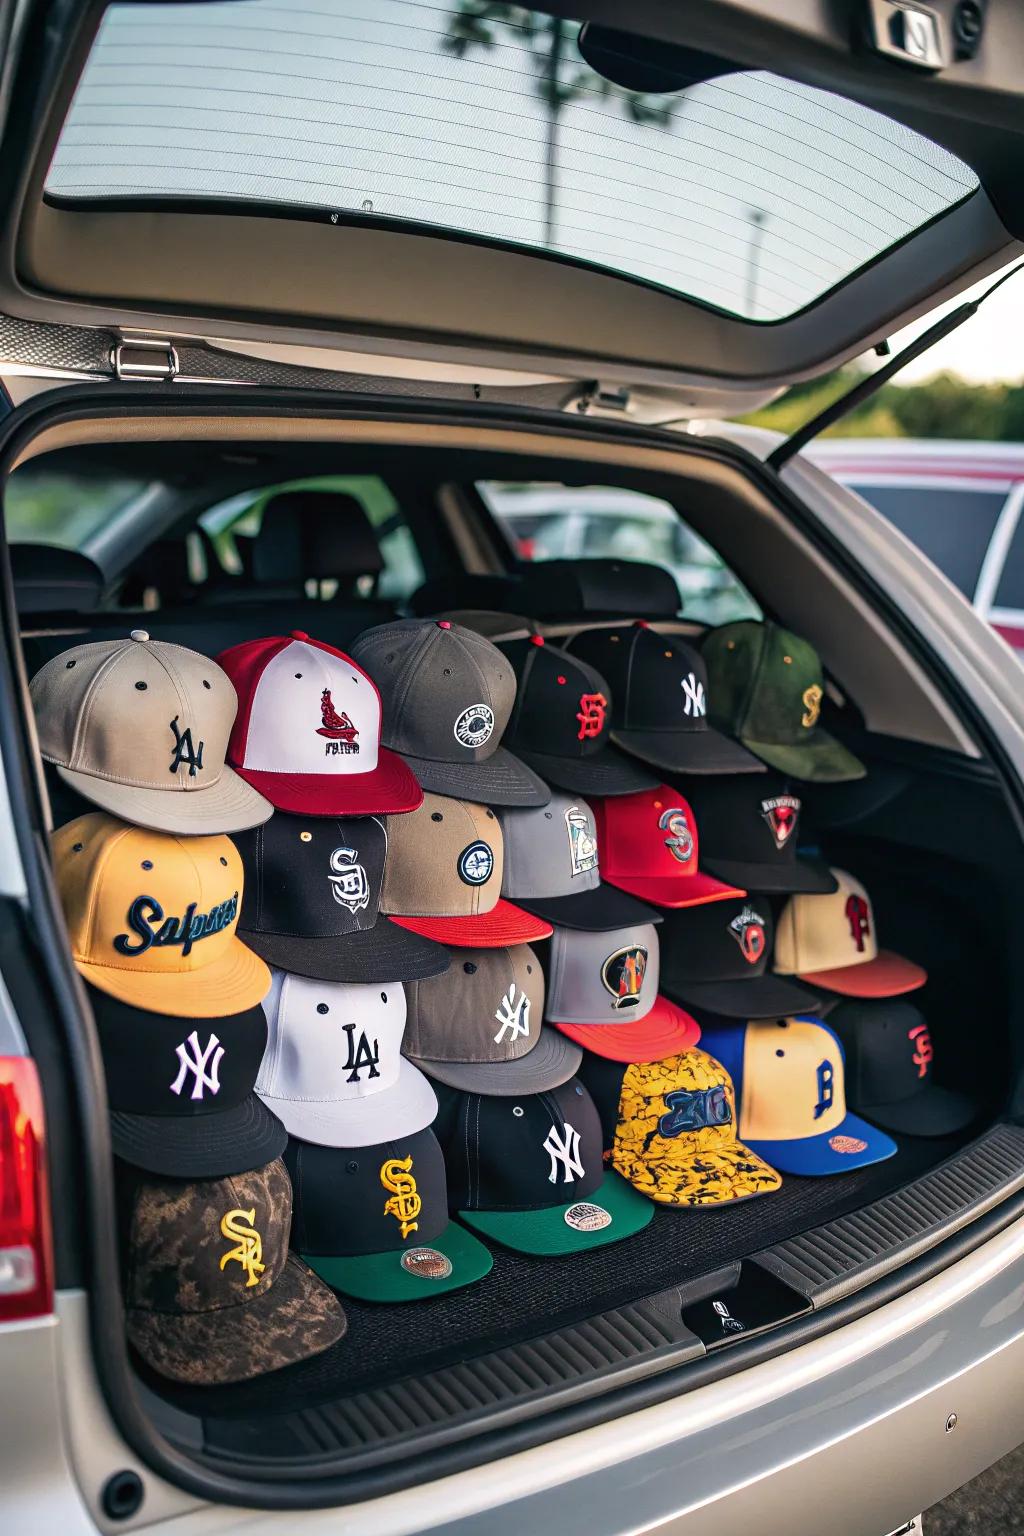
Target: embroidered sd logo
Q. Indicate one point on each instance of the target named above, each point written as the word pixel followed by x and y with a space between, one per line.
pixel 405 1203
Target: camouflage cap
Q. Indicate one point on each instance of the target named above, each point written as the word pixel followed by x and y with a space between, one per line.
pixel 212 1293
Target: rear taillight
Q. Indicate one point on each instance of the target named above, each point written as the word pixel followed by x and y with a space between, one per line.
pixel 26 1259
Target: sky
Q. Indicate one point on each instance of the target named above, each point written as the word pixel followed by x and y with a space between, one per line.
pixel 988 348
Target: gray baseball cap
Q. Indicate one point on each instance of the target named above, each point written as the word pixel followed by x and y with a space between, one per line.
pixel 481 1031
pixel 552 868
pixel 447 694
pixel 603 978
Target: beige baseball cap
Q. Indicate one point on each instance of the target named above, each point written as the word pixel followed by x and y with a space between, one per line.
pixel 831 942
pixel 140 728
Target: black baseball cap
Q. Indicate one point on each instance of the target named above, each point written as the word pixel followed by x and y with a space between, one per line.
pixel 749 832
pixel 659 698
pixel 561 722
pixel 181 1090
pixel 888 1051
pixel 716 957
pixel 528 1172
pixel 311 902
pixel 373 1221
pixel 446 694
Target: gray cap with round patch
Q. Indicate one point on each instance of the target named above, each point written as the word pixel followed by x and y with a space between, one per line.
pixel 603 978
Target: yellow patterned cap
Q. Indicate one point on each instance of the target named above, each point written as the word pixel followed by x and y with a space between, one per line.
pixel 675 1139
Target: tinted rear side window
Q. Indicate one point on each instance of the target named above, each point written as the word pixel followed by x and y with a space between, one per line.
pixel 952 525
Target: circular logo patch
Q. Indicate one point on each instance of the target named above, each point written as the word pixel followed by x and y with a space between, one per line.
pixel 475 725
pixel 427 1263
pixel 475 864
pixel 585 1217
pixel 846 1144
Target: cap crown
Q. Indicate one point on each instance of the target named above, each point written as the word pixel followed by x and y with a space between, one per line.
pixel 748 820
pixel 824 933
pixel 159 1065
pixel 671 1110
pixel 329 1041
pixel 793 1082
pixel 651 833
pixel 765 682
pixel 603 978
pixel 312 877
pixel 136 711
pixel 304 708
pixel 726 941
pixel 447 691
pixel 445 859
pixel 488 1007
pixel 378 1199
pixel 550 850
pixel 523 1154
pixel 146 901
pixel 563 707
pixel 888 1050
pixel 207 1245
pixel 658 682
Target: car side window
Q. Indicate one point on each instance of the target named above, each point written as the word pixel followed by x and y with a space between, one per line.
pixel 552 521
pixel 951 524
pixel 1010 589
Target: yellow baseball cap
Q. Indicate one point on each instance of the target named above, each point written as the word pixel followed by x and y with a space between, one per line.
pixel 675 1131
pixel 830 941
pixel 152 917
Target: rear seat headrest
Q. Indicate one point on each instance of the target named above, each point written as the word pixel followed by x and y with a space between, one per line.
pixel 314 533
pixel 607 588
pixel 52 580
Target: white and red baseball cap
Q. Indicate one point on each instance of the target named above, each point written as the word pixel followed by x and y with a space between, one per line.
pixel 307 732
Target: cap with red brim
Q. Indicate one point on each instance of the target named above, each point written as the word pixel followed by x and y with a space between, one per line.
pixel 666 891
pixel 887 975
pixel 665 1031
pixel 504 924
pixel 389 788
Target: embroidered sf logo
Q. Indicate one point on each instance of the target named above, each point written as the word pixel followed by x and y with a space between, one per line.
pixel 622 974
pixel 811 698
pixel 825 1073
pixel 695 1109
pixel 513 1014
pixel 349 885
pixel 338 728
pixel 582 842
pixel 241 1225
pixel 590 715
pixel 564 1152
pixel 361 1055
pixel 212 1053
pixel 184 751
pixel 680 839
pixel 858 915
pixel 405 1203
pixel 781 814
pixel 747 928
pixel 694 701
pixel 922 1048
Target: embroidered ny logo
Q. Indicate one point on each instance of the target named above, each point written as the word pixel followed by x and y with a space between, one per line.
pixel 196 1063
pixel 564 1152
pixel 513 1014
pixel 184 751
pixel 694 701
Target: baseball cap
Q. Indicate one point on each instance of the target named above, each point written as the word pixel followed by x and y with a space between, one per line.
pixel 307 734
pixel 479 1027
pixel 152 917
pixel 830 941
pixel 671 1126
pixel 552 867
pixel 312 901
pixel 649 847
pixel 448 693
pixel 561 722
pixel 789 1081
pixel 333 1071
pixel 373 1221
pixel 716 957
pixel 750 830
pixel 888 1049
pixel 212 1294
pixel 140 728
pixel 528 1172
pixel 659 709
pixel 181 1090
pixel 765 685
pixel 443 877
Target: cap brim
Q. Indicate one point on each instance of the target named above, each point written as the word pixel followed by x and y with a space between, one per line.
pixel 229 805
pixel 384 952
pixel 388 789
pixel 409 1105
pixel 854 1144
pixel 296 1318
pixel 200 1146
pixel 676 890
pixel 758 997
pixel 821 759
pixel 707 751
pixel 547 1232
pixel 809 876
pixel 382 1276
pixel 887 975
pixel 666 1031
pixel 238 980
pixel 606 772
pixel 935 1111
pixel 552 1062
pixel 505 924
pixel 500 779
pixel 593 911
pixel 733 1172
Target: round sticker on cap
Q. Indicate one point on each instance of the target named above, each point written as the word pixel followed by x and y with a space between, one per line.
pixel 475 725
pixel 847 1144
pixel 427 1263
pixel 585 1217
pixel 476 863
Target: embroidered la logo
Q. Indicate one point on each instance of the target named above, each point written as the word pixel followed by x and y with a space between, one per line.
pixel 622 974
pixel 240 1226
pixel 564 1152
pixel 695 1109
pixel 811 699
pixel 781 814
pixel 858 915
pixel 590 714
pixel 582 842
pixel 361 1055
pixel 404 1203
pixel 513 1014
pixel 338 728
pixel 922 1048
pixel 349 885
pixel 747 928
pixel 694 700
pixel 826 1077
pixel 196 1063
pixel 184 751
pixel 680 839
pixel 474 726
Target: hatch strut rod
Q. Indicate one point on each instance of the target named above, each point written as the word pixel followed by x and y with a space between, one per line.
pixel 874 381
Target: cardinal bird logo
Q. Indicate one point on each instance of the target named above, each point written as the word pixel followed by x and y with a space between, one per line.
pixel 336 727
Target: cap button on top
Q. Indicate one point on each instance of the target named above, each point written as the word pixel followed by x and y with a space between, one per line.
pixel 536 639
pixel 299 634
pixel 444 624
pixel 139 634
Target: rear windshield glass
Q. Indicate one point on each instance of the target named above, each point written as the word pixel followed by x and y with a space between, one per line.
pixel 751 193
pixel 952 526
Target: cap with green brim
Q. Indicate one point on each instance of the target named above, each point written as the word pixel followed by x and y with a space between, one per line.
pixel 423 1270
pixel 612 1212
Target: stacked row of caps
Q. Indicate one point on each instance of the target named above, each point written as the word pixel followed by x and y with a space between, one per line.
pixel 334 1028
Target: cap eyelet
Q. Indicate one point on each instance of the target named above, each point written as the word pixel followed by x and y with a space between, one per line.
pixel 69 664
pixel 224 861
pixel 322 1008
pixel 77 847
pixel 142 687
pixel 780 1053
pixel 667 655
pixel 560 679
pixel 206 684
pixel 305 837
pixel 613 639
pixel 354 679
pixel 297 676
pixel 437 816
pixel 490 815
pixel 352 1167
pixel 517 1110
pixel 788 660
pixel 469 967
pixel 447 672
pixel 147 864
pixel 548 816
pixel 529 970
pixel 730 645
pixel 383 997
